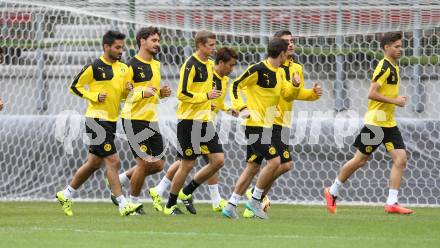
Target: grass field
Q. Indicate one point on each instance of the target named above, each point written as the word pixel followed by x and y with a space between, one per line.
pixel 42 224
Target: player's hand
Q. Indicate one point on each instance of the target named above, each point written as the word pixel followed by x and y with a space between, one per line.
pixel 102 96
pixel 213 106
pixel 214 94
pixel 1 105
pixel 149 92
pixel 317 89
pixel 129 86
pixel 165 91
pixel 245 113
pixel 233 112
pixel 296 81
pixel 401 101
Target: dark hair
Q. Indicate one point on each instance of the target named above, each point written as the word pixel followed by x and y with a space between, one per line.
pixel 276 46
pixel 144 33
pixel 281 33
pixel 225 54
pixel 110 37
pixel 389 38
pixel 203 36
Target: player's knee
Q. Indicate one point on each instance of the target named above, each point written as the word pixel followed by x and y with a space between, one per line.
pixel 401 162
pixel 275 162
pixel 253 170
pixel 186 166
pixel 286 167
pixel 155 167
pixel 94 164
pixel 360 161
pixel 113 164
pixel 218 161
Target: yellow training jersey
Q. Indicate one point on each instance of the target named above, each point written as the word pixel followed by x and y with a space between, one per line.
pixel 263 86
pixel 196 79
pixel 284 115
pixel 101 77
pixel 387 76
pixel 142 74
pixel 221 84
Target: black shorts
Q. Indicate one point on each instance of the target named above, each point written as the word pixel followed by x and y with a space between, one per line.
pixel 145 144
pixel 281 142
pixel 192 142
pixel 102 137
pixel 205 159
pixel 375 135
pixel 260 144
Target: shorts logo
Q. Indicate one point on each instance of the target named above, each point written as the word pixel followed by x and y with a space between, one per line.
pixel 389 146
pixel 252 158
pixel 272 150
pixel 368 149
pixel 107 147
pixel 188 152
pixel 286 154
pixel 204 150
pixel 143 148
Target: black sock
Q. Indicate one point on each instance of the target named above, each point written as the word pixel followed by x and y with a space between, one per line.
pixel 189 189
pixel 172 200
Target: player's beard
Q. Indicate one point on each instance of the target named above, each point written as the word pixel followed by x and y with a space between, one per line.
pixel 154 51
pixel 116 56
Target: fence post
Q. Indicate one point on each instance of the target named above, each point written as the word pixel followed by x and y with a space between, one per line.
pixel 419 92
pixel 132 27
pixel 341 99
pixel 41 92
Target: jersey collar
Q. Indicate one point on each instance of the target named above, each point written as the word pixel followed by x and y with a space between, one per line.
pixel 389 61
pixel 104 60
pixel 199 59
pixel 270 67
pixel 218 76
pixel 142 60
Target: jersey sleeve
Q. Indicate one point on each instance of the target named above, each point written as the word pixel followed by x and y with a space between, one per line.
pixel 248 78
pixel 381 73
pixel 187 74
pixel 221 100
pixel 77 87
pixel 303 93
pixel 288 91
pixel 128 79
pixel 220 103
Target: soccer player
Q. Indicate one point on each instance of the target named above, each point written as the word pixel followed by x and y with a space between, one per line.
pixel 196 133
pixel 106 81
pixel 139 115
pixel 282 123
pixel 264 83
pixel 224 64
pixel 380 127
pixel 1 104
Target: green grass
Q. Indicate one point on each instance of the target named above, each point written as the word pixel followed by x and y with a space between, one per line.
pixel 42 224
